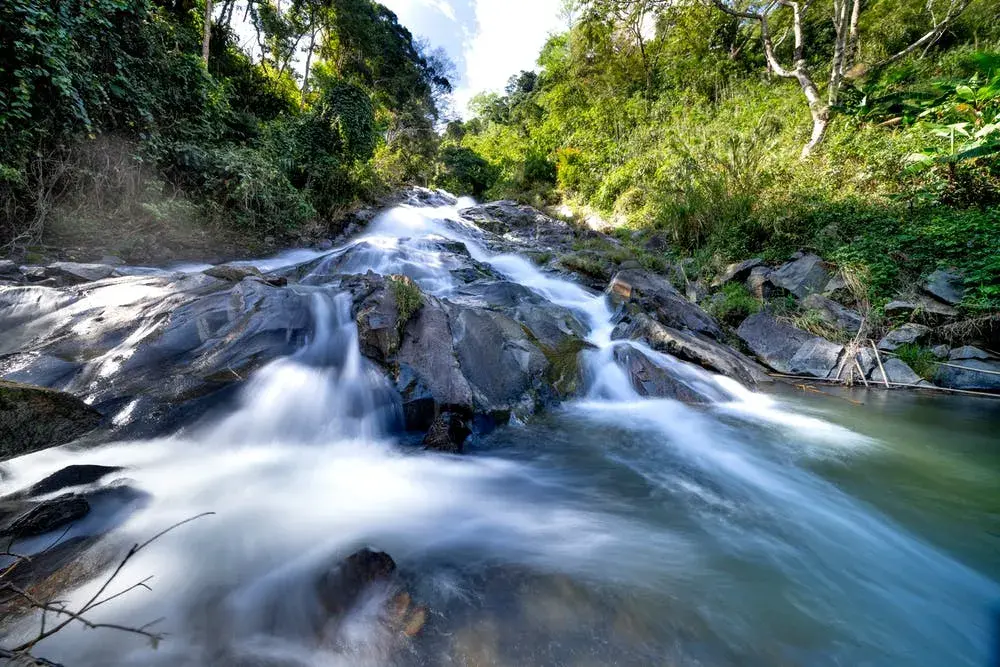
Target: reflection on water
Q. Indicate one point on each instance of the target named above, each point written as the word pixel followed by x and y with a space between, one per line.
pixel 764 530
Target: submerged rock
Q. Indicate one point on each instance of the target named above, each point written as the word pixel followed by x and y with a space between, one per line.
pixel 447 433
pixel 652 380
pixel 908 334
pixel 806 275
pixel 788 349
pixel 74 475
pixel 33 418
pixel 341 587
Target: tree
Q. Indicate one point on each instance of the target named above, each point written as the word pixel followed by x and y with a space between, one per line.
pixel 846 18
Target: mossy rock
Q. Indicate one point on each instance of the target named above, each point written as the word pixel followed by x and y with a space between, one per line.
pixel 34 418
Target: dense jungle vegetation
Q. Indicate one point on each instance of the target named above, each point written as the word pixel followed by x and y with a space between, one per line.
pixel 128 115
pixel 670 119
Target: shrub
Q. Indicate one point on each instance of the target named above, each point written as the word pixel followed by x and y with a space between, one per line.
pixel 408 296
pixel 733 304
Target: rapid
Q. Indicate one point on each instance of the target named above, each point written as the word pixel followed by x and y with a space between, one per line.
pixel 761 528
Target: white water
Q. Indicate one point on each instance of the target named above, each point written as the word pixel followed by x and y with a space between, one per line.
pixel 723 527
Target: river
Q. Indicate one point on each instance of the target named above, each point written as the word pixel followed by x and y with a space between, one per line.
pixel 785 527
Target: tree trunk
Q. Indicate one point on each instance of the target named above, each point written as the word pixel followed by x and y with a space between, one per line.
pixel 206 39
pixel 820 118
pixel 309 55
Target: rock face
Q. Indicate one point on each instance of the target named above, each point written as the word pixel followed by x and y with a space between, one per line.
pixel 833 313
pixel 522 226
pixel 896 371
pixel 652 294
pixel 908 334
pixel 33 418
pixel 788 349
pixel 945 286
pixel 651 380
pixel 802 277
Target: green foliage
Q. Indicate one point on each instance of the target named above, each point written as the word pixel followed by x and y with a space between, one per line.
pixel 733 304
pixel 463 172
pixel 920 359
pixel 409 299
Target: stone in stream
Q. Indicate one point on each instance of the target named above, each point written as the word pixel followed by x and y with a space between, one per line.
pixel 341 587
pixel 945 286
pixel 232 272
pixel 802 277
pixel 970 374
pixel 47 516
pixel 75 272
pixel 833 313
pixel 788 349
pixel 695 348
pixel 910 333
pixel 73 475
pixel 655 296
pixel 34 418
pixel 897 371
pixel 447 433
pixel 653 381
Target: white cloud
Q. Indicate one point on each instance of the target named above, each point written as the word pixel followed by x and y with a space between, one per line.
pixel 505 40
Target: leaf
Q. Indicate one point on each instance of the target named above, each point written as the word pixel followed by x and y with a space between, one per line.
pixel 965 93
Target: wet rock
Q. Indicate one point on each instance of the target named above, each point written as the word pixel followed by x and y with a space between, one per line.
pixel 974 374
pixel 896 371
pixel 33 418
pixel 47 516
pixel 379 323
pixel 74 475
pixel 447 433
pixel 945 286
pixel 649 379
pixel 658 298
pixel 737 272
pixel 908 334
pixel 324 244
pixel 233 273
pixel 920 306
pixel 9 269
pixel 759 284
pixel 34 274
pixel 341 587
pixel 788 349
pixel 697 349
pixel 74 272
pixel 418 196
pixel 941 351
pixel 802 277
pixel 967 352
pixel 524 226
pixel 833 313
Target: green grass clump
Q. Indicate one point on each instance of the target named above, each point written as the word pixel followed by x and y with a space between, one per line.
pixel 920 359
pixel 734 304
pixel 409 298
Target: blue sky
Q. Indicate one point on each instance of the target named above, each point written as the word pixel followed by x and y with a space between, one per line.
pixel 488 40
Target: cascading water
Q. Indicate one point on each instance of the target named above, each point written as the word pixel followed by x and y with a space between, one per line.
pixel 615 530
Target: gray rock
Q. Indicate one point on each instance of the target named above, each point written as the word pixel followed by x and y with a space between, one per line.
pixel 910 333
pixel 70 476
pixel 48 515
pixel 737 272
pixel 897 372
pixel 836 288
pixel 946 286
pixel 447 433
pixel 802 277
pixel 74 272
pixel 522 227
pixel 34 274
pixel 920 305
pixel 652 380
pixel 696 292
pixel 34 418
pixel 759 283
pixel 941 351
pixel 324 244
pixel 833 313
pixel 658 298
pixel 9 268
pixel 974 374
pixel 232 272
pixel 968 352
pixel 788 349
pixel 111 260
pixel 695 348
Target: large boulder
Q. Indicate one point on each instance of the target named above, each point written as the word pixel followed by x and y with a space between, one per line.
pixel 921 307
pixel 897 371
pixel 972 374
pixel 788 349
pixel 34 418
pixel 655 296
pixel 522 226
pixel 695 348
pixel 75 272
pixel 737 272
pixel 910 333
pixel 654 380
pixel 834 314
pixel 945 286
pixel 807 275
pixel 47 516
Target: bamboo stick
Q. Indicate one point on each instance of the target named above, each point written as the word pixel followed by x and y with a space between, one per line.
pixel 885 378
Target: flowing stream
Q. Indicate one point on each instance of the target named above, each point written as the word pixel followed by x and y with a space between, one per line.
pixel 766 529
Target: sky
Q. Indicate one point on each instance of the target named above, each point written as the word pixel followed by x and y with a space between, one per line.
pixel 488 40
